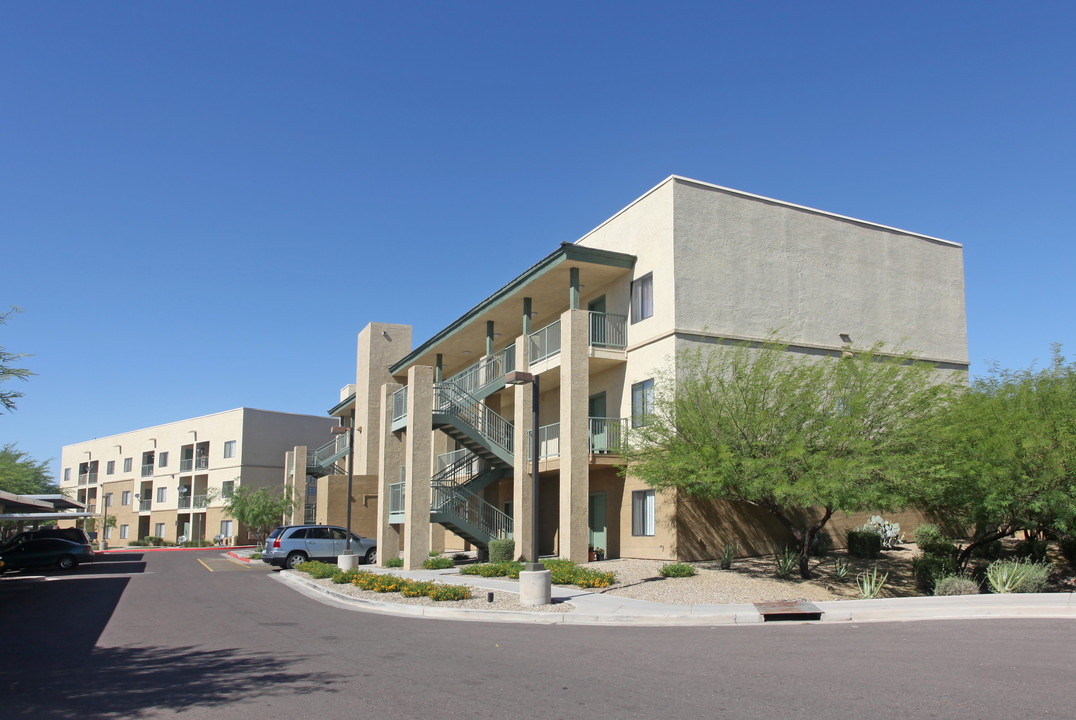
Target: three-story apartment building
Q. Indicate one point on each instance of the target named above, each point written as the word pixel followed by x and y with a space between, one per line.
pixel 445 435
pixel 171 481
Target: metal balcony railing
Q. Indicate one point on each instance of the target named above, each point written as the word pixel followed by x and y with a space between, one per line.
pixel 548 442
pixel 607 435
pixel 310 514
pixel 200 501
pixel 184 502
pixel 399 404
pixel 544 343
pixel 147 470
pixel 144 505
pixel 486 371
pixel 185 464
pixel 608 330
pixel 201 463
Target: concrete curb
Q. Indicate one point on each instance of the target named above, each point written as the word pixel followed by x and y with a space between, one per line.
pixel 1042 605
pixel 148 548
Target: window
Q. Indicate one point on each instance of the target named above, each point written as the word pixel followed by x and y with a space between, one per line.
pixel 108 533
pixel 227 488
pixel 147 464
pixel 125 532
pixel 642 402
pixel 67 474
pixel 125 497
pixel 127 464
pixel 162 460
pixel 162 494
pixel 158 530
pixel 229 449
pixel 642 512
pixel 108 500
pixel 110 467
pixel 642 298
pixel 226 528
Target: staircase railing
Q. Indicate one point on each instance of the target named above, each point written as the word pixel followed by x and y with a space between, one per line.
pixel 450 400
pixel 325 456
pixel 472 510
pixel 466 465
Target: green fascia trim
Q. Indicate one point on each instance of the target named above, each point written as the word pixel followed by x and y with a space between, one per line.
pixel 567 252
pixel 342 404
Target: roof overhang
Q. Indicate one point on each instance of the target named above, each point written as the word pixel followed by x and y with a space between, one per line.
pixel 545 282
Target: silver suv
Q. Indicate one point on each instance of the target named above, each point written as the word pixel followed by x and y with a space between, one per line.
pixel 290 545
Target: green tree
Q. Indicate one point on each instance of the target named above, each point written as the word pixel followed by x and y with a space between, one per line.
pixel 800 436
pixel 257 509
pixel 22 475
pixel 1006 454
pixel 7 372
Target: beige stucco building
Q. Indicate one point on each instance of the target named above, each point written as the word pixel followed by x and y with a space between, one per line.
pixel 170 480
pixel 443 443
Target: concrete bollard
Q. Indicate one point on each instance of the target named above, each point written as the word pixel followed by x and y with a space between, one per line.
pixel 535 587
pixel 347 562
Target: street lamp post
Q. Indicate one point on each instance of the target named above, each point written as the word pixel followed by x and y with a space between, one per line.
pixel 518 377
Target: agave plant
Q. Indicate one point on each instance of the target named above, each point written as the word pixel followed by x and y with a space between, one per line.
pixel 787 559
pixel 728 554
pixel 1005 576
pixel 840 569
pixel 870 584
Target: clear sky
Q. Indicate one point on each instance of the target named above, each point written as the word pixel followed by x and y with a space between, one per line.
pixel 201 204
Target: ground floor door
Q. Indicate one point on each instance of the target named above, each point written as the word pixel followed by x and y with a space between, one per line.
pixel 598 535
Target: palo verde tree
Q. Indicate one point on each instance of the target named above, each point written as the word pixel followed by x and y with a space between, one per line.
pixel 789 432
pixel 7 372
pixel 257 509
pixel 1006 454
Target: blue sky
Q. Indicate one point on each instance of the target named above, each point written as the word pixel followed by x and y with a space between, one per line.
pixel 198 201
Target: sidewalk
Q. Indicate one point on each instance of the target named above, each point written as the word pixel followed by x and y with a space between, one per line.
pixel 595 608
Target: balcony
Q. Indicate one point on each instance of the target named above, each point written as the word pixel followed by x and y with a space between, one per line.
pixel 310 514
pixel 201 462
pixel 545 343
pixel 607 435
pixel 200 501
pixel 143 505
pixel 184 502
pixel 186 464
pixel 399 408
pixel 87 478
pixel 548 442
pixel 147 470
pixel 608 330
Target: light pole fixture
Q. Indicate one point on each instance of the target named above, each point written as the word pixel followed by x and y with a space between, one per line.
pixel 339 430
pixel 519 377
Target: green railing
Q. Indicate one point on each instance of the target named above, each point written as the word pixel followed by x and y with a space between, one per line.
pixel 544 343
pixel 548 442
pixel 449 399
pixel 607 435
pixel 399 404
pixel 449 459
pixel 486 371
pixel 608 330
pixel 325 456
pixel 471 510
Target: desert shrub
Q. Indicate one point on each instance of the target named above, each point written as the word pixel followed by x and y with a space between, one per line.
pixel 728 554
pixel 677 570
pixel 502 569
pixel 394 562
pixel 1067 546
pixel 449 592
pixel 955 585
pixel 940 548
pixel 1032 550
pixel 928 533
pixel 256 556
pixel 928 568
pixel 460 557
pixel 864 543
pixel 787 559
pixel 345 577
pixel 1034 580
pixel 319 570
pixel 434 553
pixel 502 550
pixel 821 544
pixel 888 532
pixel 438 563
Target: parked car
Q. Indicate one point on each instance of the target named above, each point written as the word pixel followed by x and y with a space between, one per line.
pixel 44 552
pixel 75 535
pixel 290 545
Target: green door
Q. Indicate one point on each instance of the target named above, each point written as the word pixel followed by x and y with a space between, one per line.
pixel 598 534
pixel 599 433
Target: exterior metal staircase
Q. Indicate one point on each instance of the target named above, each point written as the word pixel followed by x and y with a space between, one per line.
pixel 457 506
pixel 323 461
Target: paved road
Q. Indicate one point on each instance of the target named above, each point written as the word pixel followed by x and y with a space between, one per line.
pixel 194 635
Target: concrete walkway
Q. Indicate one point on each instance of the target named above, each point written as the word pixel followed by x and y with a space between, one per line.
pixel 596 608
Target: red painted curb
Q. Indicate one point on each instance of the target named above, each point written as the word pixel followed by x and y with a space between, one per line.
pixel 165 549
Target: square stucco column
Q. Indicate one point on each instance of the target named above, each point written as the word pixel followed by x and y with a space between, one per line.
pixel 522 486
pixel 574 434
pixel 298 484
pixel 419 460
pixel 390 458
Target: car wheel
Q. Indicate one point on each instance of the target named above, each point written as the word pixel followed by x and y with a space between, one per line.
pixel 295 560
pixel 67 562
pixel 371 556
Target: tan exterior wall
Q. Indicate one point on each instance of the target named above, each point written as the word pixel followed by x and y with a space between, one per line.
pixel 332 503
